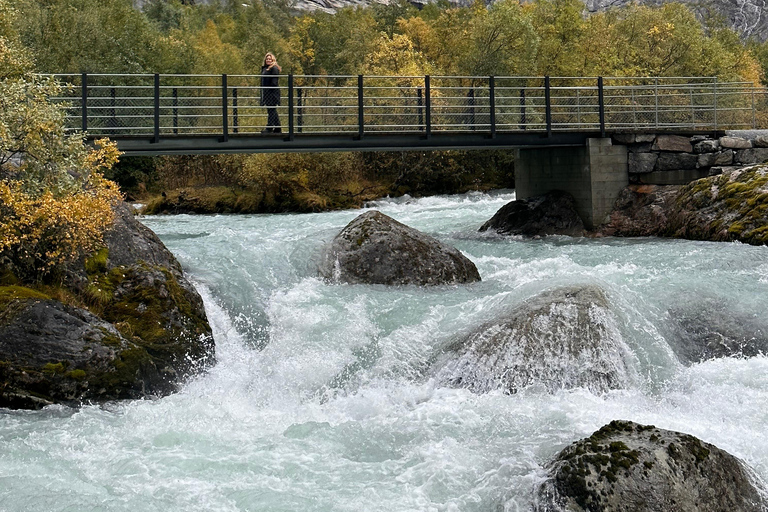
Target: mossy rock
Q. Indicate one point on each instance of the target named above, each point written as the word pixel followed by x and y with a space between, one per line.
pixel 628 466
pixel 130 326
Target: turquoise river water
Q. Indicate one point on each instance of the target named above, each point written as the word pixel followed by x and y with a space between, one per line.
pixel 322 399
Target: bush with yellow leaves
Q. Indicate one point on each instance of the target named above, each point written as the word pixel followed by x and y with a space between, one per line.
pixel 54 202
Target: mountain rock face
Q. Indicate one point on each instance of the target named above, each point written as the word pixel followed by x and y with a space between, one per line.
pixel 748 17
pixel 627 466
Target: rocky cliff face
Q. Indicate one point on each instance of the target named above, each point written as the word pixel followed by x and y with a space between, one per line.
pixel 748 17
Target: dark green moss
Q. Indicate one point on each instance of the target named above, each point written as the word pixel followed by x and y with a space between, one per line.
pixel 97 262
pixel 77 375
pixel 54 368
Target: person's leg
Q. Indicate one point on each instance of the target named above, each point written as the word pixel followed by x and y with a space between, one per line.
pixel 273 120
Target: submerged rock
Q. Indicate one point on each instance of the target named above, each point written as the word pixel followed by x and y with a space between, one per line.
pixel 627 466
pixel 553 213
pixel 707 329
pixel 376 249
pixel 145 330
pixel 563 338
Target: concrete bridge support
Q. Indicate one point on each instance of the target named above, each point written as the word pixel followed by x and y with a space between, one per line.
pixel 594 175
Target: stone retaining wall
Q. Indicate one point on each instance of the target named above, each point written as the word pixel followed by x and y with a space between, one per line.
pixel 675 160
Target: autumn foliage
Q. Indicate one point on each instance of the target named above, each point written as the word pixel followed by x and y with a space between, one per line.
pixel 54 201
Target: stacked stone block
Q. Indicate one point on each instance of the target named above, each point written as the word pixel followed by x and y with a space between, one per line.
pixel 674 159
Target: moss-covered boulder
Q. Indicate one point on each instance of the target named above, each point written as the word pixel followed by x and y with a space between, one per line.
pixel 627 466
pixel 732 206
pixel 560 339
pixel 376 249
pixel 553 213
pixel 125 323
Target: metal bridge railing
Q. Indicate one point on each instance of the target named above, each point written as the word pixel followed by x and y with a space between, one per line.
pixel 168 105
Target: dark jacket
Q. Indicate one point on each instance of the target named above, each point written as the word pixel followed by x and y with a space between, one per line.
pixel 270 94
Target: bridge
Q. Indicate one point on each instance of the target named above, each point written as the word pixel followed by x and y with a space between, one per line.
pixel 153 114
pixel 561 126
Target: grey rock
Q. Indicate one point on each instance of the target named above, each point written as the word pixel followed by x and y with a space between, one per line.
pixel 623 138
pixel 560 339
pixel 761 141
pixel 641 163
pixel 628 466
pixel 673 143
pixel 707 146
pixel 645 147
pixel 718 159
pixel 706 160
pixel 376 249
pixel 707 328
pixel 553 213
pixel 676 161
pixel 644 137
pixel 752 156
pixel 52 353
pixel 677 177
pixel 735 143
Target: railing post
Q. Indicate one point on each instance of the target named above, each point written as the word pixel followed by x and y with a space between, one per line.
pixel 360 105
pixel 300 104
pixel 235 121
pixel 156 135
pixel 113 103
pixel 428 108
pixel 224 110
pixel 492 106
pixel 714 90
pixel 523 118
pixel 84 100
pixel 601 101
pixel 175 111
pixel 290 107
pixel 656 100
pixel 471 97
pixel 754 118
pixel 420 108
pixel 548 106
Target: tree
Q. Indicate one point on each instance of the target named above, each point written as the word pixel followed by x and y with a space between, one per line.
pixel 54 202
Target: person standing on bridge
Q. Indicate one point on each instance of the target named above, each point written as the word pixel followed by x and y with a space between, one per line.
pixel 270 93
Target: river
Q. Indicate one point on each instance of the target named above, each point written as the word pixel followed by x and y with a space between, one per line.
pixel 322 400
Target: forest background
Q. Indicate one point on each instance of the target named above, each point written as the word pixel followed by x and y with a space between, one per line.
pixel 543 37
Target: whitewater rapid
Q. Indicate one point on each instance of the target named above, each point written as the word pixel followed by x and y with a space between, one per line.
pixel 322 400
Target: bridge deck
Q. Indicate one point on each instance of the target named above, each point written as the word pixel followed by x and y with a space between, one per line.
pixel 182 114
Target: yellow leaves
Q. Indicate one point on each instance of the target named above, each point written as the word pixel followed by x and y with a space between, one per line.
pixel 42 233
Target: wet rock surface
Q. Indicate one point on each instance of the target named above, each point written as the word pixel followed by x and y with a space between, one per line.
pixel 376 249
pixel 143 333
pixel 553 213
pixel 628 466
pixel 732 206
pixel 707 329
pixel 563 338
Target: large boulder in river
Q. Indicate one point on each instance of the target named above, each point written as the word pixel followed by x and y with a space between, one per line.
pixel 133 327
pixel 553 213
pixel 562 338
pixel 627 466
pixel 376 249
